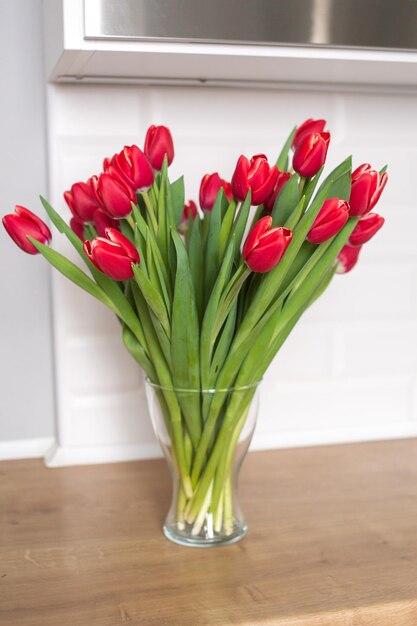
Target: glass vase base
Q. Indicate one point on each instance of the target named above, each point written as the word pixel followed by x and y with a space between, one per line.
pixel 184 537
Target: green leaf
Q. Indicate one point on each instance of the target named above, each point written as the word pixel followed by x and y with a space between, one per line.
pixel 296 215
pixel 178 199
pixel 145 234
pixel 136 350
pixel 71 271
pixel 164 342
pixel 305 253
pixel 338 172
pixel 273 279
pixel 239 225
pixel 282 160
pixel 196 258
pixel 62 226
pixel 230 295
pixel 311 185
pixel 185 327
pixel 212 246
pixel 127 230
pixel 286 201
pixel 162 277
pixel 307 284
pixel 223 345
pixel 162 219
pixel 170 223
pixel 153 298
pixel 226 227
pixel 341 187
pixel 185 342
pixel 207 337
pixel 154 276
pixel 118 301
pixel 384 169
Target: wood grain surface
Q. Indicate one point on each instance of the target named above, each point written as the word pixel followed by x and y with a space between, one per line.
pixel 332 542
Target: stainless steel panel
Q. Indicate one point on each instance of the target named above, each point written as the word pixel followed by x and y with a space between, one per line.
pixel 389 24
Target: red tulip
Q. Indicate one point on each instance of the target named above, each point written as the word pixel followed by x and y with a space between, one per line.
pixel 281 180
pixel 77 227
pixel 310 154
pixel 331 218
pixel 130 167
pixel 102 221
pixel 265 246
pixel 255 175
pixel 210 187
pixel 23 223
pixel 347 259
pixel 367 186
pixel 158 143
pixel 113 255
pixel 190 211
pixel 306 128
pixel 83 200
pixel 116 198
pixel 366 228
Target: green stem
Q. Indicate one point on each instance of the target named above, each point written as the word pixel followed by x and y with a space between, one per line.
pixel 301 185
pixel 218 517
pixel 165 379
pixel 199 521
pixel 228 506
pixel 150 210
pixel 226 464
pixel 181 502
pixel 232 291
pixel 232 416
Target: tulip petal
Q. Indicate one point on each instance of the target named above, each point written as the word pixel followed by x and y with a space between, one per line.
pixel 32 217
pixel 112 263
pixel 366 228
pixel 260 228
pixel 126 246
pixel 19 229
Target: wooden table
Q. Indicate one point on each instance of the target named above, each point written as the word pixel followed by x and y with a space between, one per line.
pixel 332 542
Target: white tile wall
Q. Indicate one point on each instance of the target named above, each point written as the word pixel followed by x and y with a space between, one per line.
pixel 349 370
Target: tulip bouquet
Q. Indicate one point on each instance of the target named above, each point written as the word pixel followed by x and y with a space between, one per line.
pixel 207 296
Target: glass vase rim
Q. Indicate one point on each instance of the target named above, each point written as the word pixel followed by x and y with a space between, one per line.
pixel 210 390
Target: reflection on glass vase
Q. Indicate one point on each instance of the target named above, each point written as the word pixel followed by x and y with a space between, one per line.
pixel 204 435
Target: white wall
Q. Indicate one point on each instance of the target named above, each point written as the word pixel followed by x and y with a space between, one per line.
pixel 349 369
pixel 26 377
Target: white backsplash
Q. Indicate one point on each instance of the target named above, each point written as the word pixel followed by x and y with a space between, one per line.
pixel 349 369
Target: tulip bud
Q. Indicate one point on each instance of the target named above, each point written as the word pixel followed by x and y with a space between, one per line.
pixel 306 128
pixel 77 227
pixel 23 223
pixel 310 154
pixel 265 246
pixel 131 168
pixel 158 143
pixel 269 203
pixel 366 228
pixel 210 187
pixel 331 218
pixel 255 175
pixel 367 186
pixel 116 198
pixel 347 258
pixel 83 200
pixel 102 221
pixel 113 255
pixel 190 211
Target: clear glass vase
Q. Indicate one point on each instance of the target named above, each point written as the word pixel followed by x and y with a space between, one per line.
pixel 204 435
